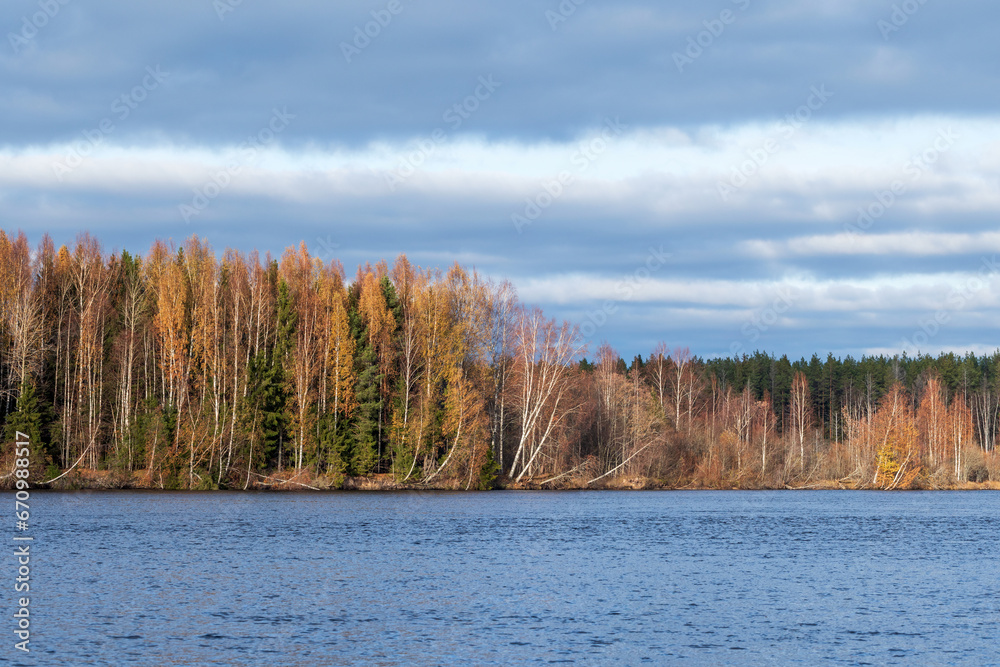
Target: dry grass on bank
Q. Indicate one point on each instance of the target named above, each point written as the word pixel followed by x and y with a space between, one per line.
pixel 288 480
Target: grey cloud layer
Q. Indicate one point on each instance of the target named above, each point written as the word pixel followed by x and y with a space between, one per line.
pixel 604 58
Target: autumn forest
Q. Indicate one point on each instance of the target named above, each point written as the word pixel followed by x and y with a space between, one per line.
pixel 189 368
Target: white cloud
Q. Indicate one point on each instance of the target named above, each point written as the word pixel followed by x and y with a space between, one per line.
pixel 838 166
pixel 911 292
pixel 911 243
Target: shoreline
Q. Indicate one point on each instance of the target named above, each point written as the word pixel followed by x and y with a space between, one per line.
pixel 278 482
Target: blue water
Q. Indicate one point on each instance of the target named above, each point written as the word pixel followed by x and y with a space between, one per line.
pixel 514 577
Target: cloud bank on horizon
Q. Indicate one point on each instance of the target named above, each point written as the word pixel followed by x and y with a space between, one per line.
pixel 734 175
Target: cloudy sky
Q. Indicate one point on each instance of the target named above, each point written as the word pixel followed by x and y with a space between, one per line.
pixel 729 175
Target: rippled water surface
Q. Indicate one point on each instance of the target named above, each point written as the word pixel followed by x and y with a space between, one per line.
pixel 516 577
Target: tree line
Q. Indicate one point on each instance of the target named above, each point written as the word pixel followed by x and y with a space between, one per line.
pixel 185 368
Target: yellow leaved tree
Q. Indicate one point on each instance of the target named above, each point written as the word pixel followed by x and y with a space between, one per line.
pixel 897 458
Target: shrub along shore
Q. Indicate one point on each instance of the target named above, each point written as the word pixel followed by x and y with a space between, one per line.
pixel 105 480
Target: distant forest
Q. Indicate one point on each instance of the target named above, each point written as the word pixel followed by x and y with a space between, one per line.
pixel 185 368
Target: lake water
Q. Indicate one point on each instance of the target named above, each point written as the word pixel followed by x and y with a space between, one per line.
pixel 514 577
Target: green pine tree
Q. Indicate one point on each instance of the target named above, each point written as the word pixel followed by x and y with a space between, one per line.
pixel 334 446
pixel 26 420
pixel 488 473
pixel 278 407
pixel 364 431
pixel 265 411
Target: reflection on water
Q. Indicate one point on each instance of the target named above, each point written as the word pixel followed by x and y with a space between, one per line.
pixel 514 577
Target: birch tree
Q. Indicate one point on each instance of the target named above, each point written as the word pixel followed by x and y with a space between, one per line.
pixel 801 414
pixel 544 352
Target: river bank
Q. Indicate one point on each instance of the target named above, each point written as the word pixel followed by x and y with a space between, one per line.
pixel 106 480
